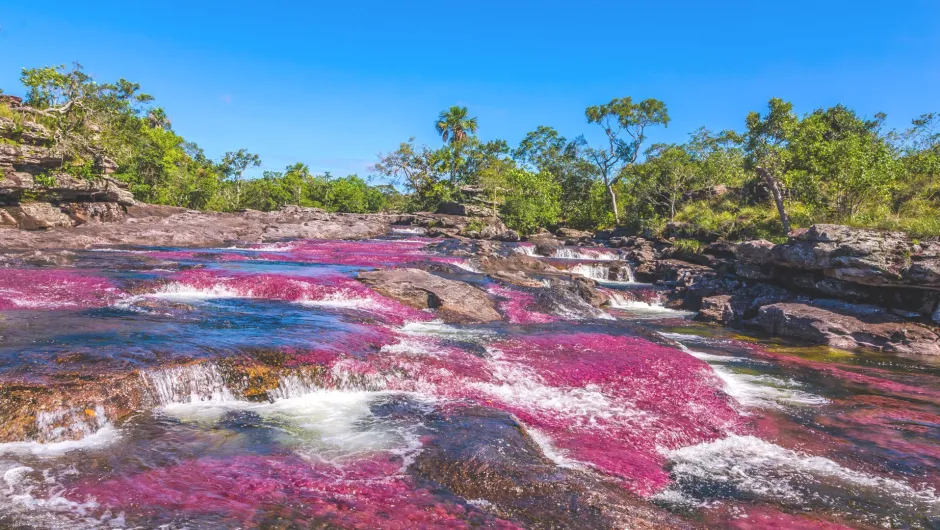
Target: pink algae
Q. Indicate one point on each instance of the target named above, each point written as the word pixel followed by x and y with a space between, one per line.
pixel 54 289
pixel 515 306
pixel 612 402
pixel 329 291
pixel 366 493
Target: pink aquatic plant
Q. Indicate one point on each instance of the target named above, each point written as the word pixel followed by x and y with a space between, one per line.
pixel 364 493
pixel 611 402
pixel 54 289
pixel 515 306
pixel 328 291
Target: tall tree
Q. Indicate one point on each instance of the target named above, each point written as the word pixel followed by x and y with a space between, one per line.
pixel 766 147
pixel 455 126
pixel 618 118
pixel 233 166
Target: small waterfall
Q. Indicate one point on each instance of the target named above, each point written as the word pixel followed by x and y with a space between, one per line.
pixel 528 250
pixel 584 254
pixel 69 424
pixel 205 383
pixel 619 272
pixel 633 300
pixel 188 384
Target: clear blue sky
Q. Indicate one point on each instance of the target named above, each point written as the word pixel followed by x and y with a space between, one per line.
pixel 334 83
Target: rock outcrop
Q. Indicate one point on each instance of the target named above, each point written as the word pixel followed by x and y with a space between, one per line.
pixel 857 265
pixel 37 190
pixel 847 326
pixel 788 289
pixel 454 301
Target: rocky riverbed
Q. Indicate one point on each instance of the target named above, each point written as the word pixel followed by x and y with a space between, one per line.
pixel 190 369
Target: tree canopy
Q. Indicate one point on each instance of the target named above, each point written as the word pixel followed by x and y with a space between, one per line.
pixel 781 170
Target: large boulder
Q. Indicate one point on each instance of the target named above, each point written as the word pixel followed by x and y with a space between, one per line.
pixel 36 216
pixel 93 212
pixel 848 326
pixel 454 301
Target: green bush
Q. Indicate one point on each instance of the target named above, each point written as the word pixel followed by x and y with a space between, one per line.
pixel 689 246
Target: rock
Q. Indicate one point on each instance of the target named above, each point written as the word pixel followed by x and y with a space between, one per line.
pixel 26 132
pixel 545 244
pixel 482 453
pixel 169 226
pixel 93 212
pixel 575 297
pixel 454 301
pixel 617 232
pixel 464 210
pixel 70 407
pixel 37 216
pixel 742 302
pixel 717 308
pixel 7 220
pixel 859 265
pixel 575 237
pixel 757 252
pixel 847 326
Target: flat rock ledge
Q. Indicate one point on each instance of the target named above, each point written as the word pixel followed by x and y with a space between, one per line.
pixel 847 326
pixel 454 301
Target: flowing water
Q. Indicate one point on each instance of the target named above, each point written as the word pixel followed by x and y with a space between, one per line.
pixel 264 386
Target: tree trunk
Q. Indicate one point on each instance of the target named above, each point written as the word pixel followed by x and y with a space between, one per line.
pixel 613 202
pixel 774 187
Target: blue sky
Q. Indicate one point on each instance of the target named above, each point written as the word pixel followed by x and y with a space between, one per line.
pixel 333 84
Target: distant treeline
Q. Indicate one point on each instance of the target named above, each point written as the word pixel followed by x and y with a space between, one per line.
pixel 780 171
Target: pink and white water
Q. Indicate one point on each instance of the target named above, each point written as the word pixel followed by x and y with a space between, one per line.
pixel 720 430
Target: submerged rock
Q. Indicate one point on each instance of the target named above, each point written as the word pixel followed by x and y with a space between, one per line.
pixel 485 455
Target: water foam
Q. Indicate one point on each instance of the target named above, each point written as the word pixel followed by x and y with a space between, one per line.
pixel 760 470
pixel 749 390
pixel 104 436
pixel 584 254
pixel 621 273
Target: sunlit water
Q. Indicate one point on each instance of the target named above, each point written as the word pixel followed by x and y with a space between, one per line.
pixel 251 386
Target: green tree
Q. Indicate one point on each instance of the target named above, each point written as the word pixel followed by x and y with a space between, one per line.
pixel 544 150
pixel 766 147
pixel 233 166
pixel 532 200
pixel 617 118
pixel 455 126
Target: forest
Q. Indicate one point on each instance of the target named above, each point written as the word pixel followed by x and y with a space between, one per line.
pixel 779 171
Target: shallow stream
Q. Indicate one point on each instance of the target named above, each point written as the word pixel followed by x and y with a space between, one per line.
pixel 264 386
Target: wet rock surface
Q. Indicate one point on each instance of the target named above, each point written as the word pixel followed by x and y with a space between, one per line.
pixel 486 455
pixel 452 382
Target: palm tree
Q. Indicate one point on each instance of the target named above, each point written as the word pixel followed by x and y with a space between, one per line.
pixel 454 125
